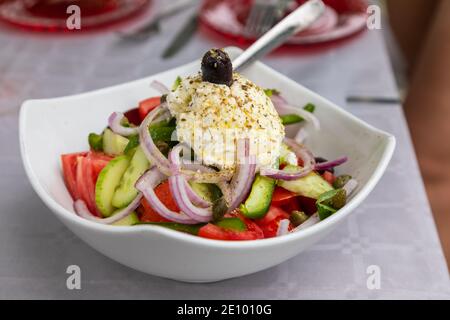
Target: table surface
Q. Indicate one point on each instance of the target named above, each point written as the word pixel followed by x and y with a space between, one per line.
pixel 392 229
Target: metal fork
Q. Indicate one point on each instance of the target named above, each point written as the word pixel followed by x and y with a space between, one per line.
pixel 263 15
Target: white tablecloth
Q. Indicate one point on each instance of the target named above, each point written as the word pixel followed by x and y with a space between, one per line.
pixel 393 229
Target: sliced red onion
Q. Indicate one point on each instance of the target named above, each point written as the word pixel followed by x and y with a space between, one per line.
pixel 146 183
pixel 82 210
pixel 350 186
pixel 114 122
pixel 283 227
pixel 159 86
pixel 312 220
pixel 301 152
pixel 308 116
pixel 151 151
pixel 175 157
pixel 284 175
pixel 175 160
pixel 195 198
pixel 279 102
pixel 301 135
pixel 330 164
pixel 177 185
pixel 244 175
pixel 223 185
pixel 283 106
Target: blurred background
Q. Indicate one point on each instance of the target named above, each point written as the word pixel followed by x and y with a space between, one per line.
pixel 140 33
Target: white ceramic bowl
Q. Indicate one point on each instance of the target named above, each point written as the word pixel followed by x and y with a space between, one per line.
pixel 51 127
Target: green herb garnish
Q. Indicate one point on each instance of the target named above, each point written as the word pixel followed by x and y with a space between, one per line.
pixel 176 84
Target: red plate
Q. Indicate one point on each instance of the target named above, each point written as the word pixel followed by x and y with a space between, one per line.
pixel 341 19
pixel 50 15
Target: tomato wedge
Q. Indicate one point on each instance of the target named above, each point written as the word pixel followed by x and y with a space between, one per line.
pixel 212 231
pixel 148 214
pixel 329 177
pixel 269 224
pixel 69 168
pixel 80 172
pixel 280 195
pixel 147 105
pixel 286 200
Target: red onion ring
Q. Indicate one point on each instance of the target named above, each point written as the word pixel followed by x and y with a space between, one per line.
pixel 283 227
pixel 146 183
pixel 283 175
pixel 175 157
pixel 195 198
pixel 114 122
pixel 245 174
pixel 175 160
pixel 159 86
pixel 151 151
pixel 301 152
pixel 223 185
pixel 330 164
pixel 82 210
pixel 301 135
pixel 177 185
pixel 283 106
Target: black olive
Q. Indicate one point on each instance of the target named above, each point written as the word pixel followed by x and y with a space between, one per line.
pixel 321 160
pixel 217 67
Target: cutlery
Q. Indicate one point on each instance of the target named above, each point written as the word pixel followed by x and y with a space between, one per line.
pixel 182 37
pixel 263 15
pixel 145 31
pixel 373 100
pixel 298 20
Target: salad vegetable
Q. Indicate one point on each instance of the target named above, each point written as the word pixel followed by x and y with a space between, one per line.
pixel 209 158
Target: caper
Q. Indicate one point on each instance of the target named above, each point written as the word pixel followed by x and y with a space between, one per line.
pixel 162 146
pixel 335 199
pixel 298 217
pixel 217 67
pixel 219 208
pixel 341 181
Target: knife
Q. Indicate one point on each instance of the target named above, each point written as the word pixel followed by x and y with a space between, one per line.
pixel 151 27
pixel 182 37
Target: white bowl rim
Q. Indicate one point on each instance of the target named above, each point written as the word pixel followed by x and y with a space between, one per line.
pixel 139 229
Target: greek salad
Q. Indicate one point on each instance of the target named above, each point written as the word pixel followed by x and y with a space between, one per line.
pixel 208 157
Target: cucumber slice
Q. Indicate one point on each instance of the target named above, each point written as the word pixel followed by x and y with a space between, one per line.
pixel 208 191
pixel 126 191
pixel 234 224
pixel 311 186
pixel 258 202
pixel 130 220
pixel 107 182
pixel 113 144
pixel 96 141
